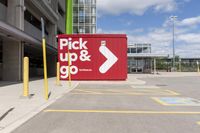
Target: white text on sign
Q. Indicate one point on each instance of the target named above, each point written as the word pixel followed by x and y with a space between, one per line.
pixel 83 55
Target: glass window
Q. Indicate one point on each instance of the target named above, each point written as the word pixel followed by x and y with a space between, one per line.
pixel 75 29
pixel 87 29
pixel 87 1
pixel 139 50
pixel 133 50
pixel 145 50
pixel 75 11
pixel 87 11
pixel 75 19
pixel 81 19
pixel 75 1
pixel 93 1
pixel 81 1
pixel 81 30
pixel 93 20
pixel 87 19
pixel 81 10
pixel 129 50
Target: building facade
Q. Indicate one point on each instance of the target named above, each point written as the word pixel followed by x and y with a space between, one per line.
pixel 84 16
pixel 141 59
pixel 20 35
pixel 139 64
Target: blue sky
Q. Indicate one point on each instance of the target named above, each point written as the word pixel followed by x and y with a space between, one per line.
pixel 147 21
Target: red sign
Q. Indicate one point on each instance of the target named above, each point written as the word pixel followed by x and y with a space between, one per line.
pixel 93 57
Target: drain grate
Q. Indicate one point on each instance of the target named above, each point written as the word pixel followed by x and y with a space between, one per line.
pixel 161 85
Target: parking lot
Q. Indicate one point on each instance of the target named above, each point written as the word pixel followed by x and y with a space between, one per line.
pixel 160 105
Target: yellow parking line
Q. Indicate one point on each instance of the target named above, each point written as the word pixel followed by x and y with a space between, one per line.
pixel 173 92
pixel 132 91
pixel 136 94
pixel 198 123
pixel 86 91
pixel 159 101
pixel 123 93
pixel 124 112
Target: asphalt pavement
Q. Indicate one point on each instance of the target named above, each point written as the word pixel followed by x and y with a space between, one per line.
pixel 161 105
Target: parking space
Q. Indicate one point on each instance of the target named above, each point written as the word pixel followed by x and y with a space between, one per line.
pixel 141 91
pixel 120 108
pixel 126 90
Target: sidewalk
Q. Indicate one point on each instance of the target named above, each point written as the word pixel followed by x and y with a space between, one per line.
pixel 166 74
pixel 15 110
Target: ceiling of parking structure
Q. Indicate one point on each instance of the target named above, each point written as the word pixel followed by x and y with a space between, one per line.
pixel 8 32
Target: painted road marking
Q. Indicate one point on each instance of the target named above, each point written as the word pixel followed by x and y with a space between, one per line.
pixel 140 91
pixel 177 101
pixel 88 91
pixel 123 112
pixel 172 92
pixel 198 123
pixel 139 94
pixel 159 101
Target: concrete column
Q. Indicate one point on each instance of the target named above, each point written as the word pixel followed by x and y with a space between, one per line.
pixel 13 53
pixel 51 65
pixel 151 65
pixel 154 66
pixel 51 38
pixel 180 65
pixel 15 13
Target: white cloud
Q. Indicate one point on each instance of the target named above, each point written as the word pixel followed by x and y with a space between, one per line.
pixel 138 7
pixel 187 41
pixel 189 38
pixel 190 21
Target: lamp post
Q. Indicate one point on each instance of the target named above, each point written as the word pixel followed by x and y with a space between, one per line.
pixel 173 19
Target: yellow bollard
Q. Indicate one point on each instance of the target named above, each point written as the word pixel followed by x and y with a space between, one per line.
pixel 58 74
pixel 45 69
pixel 26 77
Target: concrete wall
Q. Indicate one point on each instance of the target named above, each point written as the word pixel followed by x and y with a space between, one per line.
pixel 62 4
pixel 15 13
pixel 31 30
pixel 61 22
pixel 1 71
pixel 12 60
pixel 3 12
pixel 35 72
pixel 54 4
pixel 51 65
pixel 51 38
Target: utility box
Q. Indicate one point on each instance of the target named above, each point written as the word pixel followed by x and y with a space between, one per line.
pixel 93 56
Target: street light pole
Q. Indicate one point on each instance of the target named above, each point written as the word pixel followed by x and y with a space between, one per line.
pixel 173 18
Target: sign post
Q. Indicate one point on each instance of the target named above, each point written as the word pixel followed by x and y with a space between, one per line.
pixel 44 61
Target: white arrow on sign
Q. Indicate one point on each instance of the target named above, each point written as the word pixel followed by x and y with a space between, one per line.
pixel 111 58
